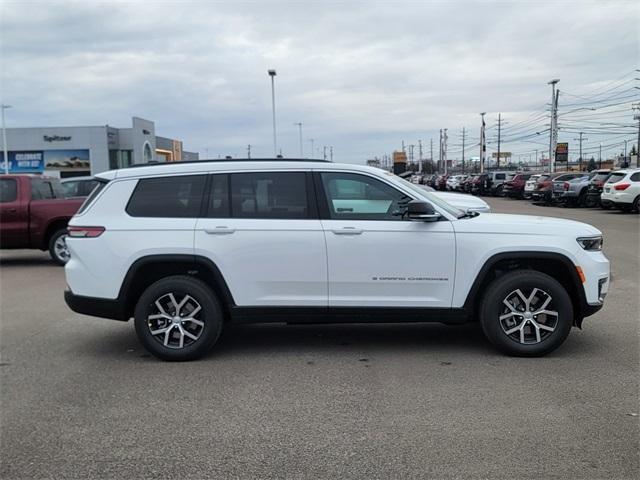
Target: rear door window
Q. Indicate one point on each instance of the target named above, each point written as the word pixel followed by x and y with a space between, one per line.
pixel 276 195
pixel 8 190
pixel 41 189
pixel 169 197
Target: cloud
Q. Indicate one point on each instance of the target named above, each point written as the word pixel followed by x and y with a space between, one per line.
pixel 361 76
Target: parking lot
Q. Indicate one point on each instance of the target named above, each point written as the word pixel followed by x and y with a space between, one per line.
pixel 81 398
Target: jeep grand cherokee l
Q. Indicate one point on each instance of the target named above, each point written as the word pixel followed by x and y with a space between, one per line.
pixel 186 248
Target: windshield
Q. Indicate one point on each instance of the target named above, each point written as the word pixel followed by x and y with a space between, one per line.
pixel 430 197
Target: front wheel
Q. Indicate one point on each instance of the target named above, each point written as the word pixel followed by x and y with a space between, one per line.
pixel 58 247
pixel 526 313
pixel 178 318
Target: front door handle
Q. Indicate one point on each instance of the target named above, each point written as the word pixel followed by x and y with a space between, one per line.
pixel 347 231
pixel 219 230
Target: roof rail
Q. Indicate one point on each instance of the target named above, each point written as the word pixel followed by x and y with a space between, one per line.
pixel 155 163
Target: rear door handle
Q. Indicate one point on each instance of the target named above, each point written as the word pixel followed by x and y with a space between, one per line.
pixel 219 230
pixel 347 231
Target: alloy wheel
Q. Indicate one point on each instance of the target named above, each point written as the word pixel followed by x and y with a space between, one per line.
pixel 528 317
pixel 60 248
pixel 175 323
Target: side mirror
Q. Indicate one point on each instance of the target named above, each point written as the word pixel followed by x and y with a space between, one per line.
pixel 419 211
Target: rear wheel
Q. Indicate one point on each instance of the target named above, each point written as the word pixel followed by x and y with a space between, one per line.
pixel 582 199
pixel 178 318
pixel 526 313
pixel 58 247
pixel 636 204
pixel 498 191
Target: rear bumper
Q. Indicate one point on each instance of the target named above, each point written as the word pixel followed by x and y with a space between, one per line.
pixel 96 307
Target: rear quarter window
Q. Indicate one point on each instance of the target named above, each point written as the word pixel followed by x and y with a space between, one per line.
pixel 100 184
pixel 168 197
pixel 635 177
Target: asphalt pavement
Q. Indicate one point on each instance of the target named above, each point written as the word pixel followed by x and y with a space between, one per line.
pixel 80 398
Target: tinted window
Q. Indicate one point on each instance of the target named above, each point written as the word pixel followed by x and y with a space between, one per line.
pixel 8 190
pixel 219 197
pixel 269 195
pixel 635 177
pixel 41 189
pixel 499 176
pixel 601 177
pixel 616 177
pixel 357 197
pixel 170 197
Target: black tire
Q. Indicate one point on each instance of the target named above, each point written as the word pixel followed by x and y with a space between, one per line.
pixel 58 254
pixel 210 315
pixel 636 204
pixel 582 199
pixel 498 191
pixel 492 308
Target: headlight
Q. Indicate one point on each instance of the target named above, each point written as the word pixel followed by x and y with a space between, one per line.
pixel 590 243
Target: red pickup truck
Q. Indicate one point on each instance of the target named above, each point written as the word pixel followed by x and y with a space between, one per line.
pixel 34 214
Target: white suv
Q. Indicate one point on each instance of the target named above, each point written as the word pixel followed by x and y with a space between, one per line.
pixel 185 248
pixel 623 190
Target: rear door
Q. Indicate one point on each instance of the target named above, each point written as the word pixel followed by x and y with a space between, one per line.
pixel 262 231
pixel 375 257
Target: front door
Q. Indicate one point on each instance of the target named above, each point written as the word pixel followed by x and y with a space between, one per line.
pixel 376 257
pixel 262 231
pixel 14 224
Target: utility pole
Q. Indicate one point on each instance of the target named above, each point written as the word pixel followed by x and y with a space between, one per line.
pixel 331 153
pixel 636 107
pixel 444 149
pixel 431 153
pixel 312 150
pixel 440 153
pixel 324 152
pixel 420 156
pixel 463 139
pixel 499 130
pixel 272 74
pixel 299 124
pixel 411 147
pixel 5 149
pixel 536 158
pixel 249 151
pixel 483 143
pixel 403 149
pixel 600 157
pixel 553 134
pixel 581 139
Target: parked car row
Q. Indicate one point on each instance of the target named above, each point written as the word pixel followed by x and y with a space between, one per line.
pixel 599 188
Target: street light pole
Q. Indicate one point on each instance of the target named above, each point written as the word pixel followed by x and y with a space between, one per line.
pixel 553 138
pixel 299 124
pixel 4 140
pixel 272 74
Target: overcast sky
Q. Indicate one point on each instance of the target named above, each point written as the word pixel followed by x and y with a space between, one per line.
pixel 360 76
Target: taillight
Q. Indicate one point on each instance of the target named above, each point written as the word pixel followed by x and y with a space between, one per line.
pixel 566 185
pixel 85 232
pixel 622 186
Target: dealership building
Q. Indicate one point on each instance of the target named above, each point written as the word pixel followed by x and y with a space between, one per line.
pixel 74 151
